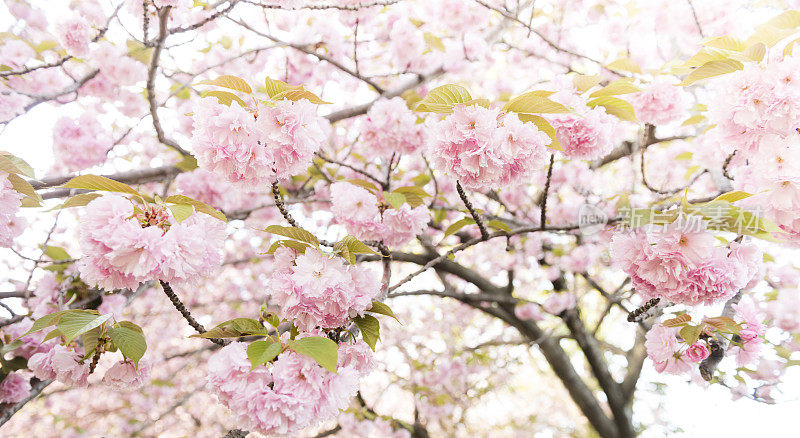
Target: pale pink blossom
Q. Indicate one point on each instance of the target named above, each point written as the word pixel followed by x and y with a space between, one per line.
pixel 318 290
pixel 697 352
pixel 585 136
pixel 391 127
pixel 484 150
pixel 80 143
pixel 662 102
pixel 528 311
pixel 14 388
pixel 62 364
pixel 74 34
pixel 114 304
pixel 11 225
pixel 556 303
pixel 125 376
pixel 661 342
pixel 16 53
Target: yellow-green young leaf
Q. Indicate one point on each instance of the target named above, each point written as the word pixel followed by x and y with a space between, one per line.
pixel 293 233
pixel 46 321
pixel 413 194
pixel 382 309
pixel 394 199
pixel 620 86
pixel 787 50
pixel 79 200
pixel 261 352
pixel 180 91
pixel 706 55
pixel 54 334
pixel 181 212
pixel 625 64
pixel 198 205
pixel 736 195
pixel 298 93
pixel 615 106
pixel 12 164
pixel 457 225
pixel 442 99
pixel 690 333
pixel 684 156
pixel 139 52
pixel 45 45
pixel 89 339
pixel 188 163
pixel 545 127
pixel 365 184
pixel 275 87
pixel 691 170
pixel 295 245
pixel 56 253
pixel 480 102
pixel 695 119
pixel 433 41
pixel 343 251
pixel 725 42
pixel 498 225
pixel 73 325
pixel 231 82
pixel 533 102
pixel 712 69
pixel 224 97
pixel 323 350
pixel 769 35
pixel 584 82
pixel 99 183
pixel 24 187
pixel 786 20
pixel 370 329
pixel 756 52
pixel 129 339
pixel 10 347
pixel 356 246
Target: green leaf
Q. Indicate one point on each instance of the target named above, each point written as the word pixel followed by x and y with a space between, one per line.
pixel 695 119
pixel 13 164
pixel 356 246
pixel 615 106
pixel 413 195
pixel 198 205
pixel 181 212
pixel 99 183
pixel 394 199
pixel 188 163
pixel 625 64
pixel 80 200
pixel 129 338
pixel 365 184
pixel 298 93
pixel 235 328
pixel 533 102
pixel 786 20
pixel 47 321
pixel 75 324
pixel 370 329
pixel 10 347
pixel 295 233
pixel 231 82
pixel 585 82
pixel 433 41
pixel 275 87
pixel 756 52
pixel 690 333
pixel 89 339
pixel 620 86
pixel 295 245
pixel 498 225
pixel 24 187
pixel 261 352
pixel 711 69
pixel 733 196
pixel 224 97
pixel 323 350
pixel 442 99
pixel 543 125
pixel 383 309
pixel 457 225
pixel 139 52
pixel 56 253
pixel 725 42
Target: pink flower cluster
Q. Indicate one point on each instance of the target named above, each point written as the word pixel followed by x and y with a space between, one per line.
pixel 255 150
pixel 209 188
pixel 587 135
pixel 16 53
pixel 62 364
pixel 32 343
pixel 14 388
pixel 318 290
pixel 746 350
pixel 74 35
pixel 660 103
pixel 391 127
pixel 756 102
pixel 484 150
pixel 123 247
pixel 290 395
pixel 682 265
pixel 125 376
pixel 358 209
pixel 80 143
pixel 661 343
pixel 11 225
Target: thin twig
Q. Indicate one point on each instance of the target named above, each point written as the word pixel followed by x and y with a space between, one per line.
pixel 471 209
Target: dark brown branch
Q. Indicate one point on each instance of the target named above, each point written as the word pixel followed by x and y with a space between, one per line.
pixel 719 344
pixel 185 312
pixel 545 192
pixel 472 212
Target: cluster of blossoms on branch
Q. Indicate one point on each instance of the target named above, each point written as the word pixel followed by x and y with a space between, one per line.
pixel 256 148
pixel 126 243
pixel 11 225
pixel 683 265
